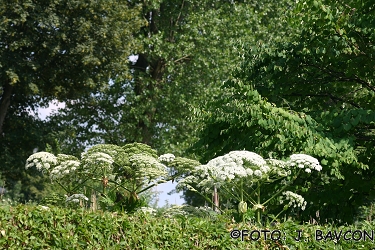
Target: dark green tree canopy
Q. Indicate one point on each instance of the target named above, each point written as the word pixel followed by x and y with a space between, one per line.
pixel 61 49
pixel 54 50
pixel 188 49
pixel 330 55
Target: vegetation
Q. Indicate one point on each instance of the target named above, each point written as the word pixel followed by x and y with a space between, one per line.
pixel 186 50
pixel 107 176
pixel 270 102
pixel 54 50
pixel 306 94
pixel 25 227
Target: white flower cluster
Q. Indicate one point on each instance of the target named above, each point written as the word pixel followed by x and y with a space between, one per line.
pixel 97 159
pixel 234 165
pixel 280 168
pixel 304 161
pixel 167 157
pixel 43 161
pixel 175 211
pixel 206 209
pixel 56 167
pixel 147 210
pixel 76 198
pixel 148 166
pixel 64 168
pixel 295 200
pixel 251 157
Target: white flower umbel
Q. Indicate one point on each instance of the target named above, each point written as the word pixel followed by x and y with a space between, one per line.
pixel 227 168
pixel 43 161
pixel 186 183
pixel 175 211
pixel 76 198
pixel 235 164
pixel 167 157
pixel 304 161
pixel 148 167
pixel 64 168
pixel 97 159
pixel 278 167
pixel 251 157
pixel 294 200
pixel 147 210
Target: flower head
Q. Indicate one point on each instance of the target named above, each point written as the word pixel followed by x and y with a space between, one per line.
pixel 148 167
pixel 304 161
pixel 76 198
pixel 278 167
pixel 227 168
pixel 295 200
pixel 167 157
pixel 97 159
pixel 41 160
pixel 64 168
pixel 147 210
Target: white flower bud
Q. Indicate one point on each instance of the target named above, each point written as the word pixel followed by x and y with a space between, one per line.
pixel 242 207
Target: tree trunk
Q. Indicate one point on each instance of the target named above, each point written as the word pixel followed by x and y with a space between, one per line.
pixel 4 104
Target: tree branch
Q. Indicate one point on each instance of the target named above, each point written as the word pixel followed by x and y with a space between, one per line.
pixel 182 58
pixel 341 76
pixel 333 98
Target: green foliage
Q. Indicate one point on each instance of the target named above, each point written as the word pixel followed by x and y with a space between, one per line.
pixel 24 134
pixel 81 42
pixel 309 92
pixel 54 49
pixel 188 48
pixel 189 211
pixel 37 227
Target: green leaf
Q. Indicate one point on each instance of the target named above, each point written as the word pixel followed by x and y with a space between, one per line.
pixel 347 126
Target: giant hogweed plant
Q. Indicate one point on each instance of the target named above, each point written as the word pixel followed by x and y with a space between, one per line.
pixel 243 175
pixel 120 175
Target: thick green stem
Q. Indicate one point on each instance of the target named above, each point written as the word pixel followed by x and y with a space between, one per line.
pixel 258 211
pixel 119 185
pixel 207 199
pixel 276 194
pixel 66 190
pixel 241 189
pixel 104 180
pixel 243 214
pixel 277 216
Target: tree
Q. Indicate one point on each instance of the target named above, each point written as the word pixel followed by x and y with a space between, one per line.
pixel 25 133
pixel 61 49
pixel 188 47
pixel 327 72
pixel 310 93
pixel 54 50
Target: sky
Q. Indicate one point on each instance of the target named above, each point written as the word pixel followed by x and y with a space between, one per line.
pixel 163 189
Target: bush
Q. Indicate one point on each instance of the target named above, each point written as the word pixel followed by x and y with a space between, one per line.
pixel 38 227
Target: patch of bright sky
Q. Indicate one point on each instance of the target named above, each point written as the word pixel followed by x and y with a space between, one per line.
pixel 162 189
